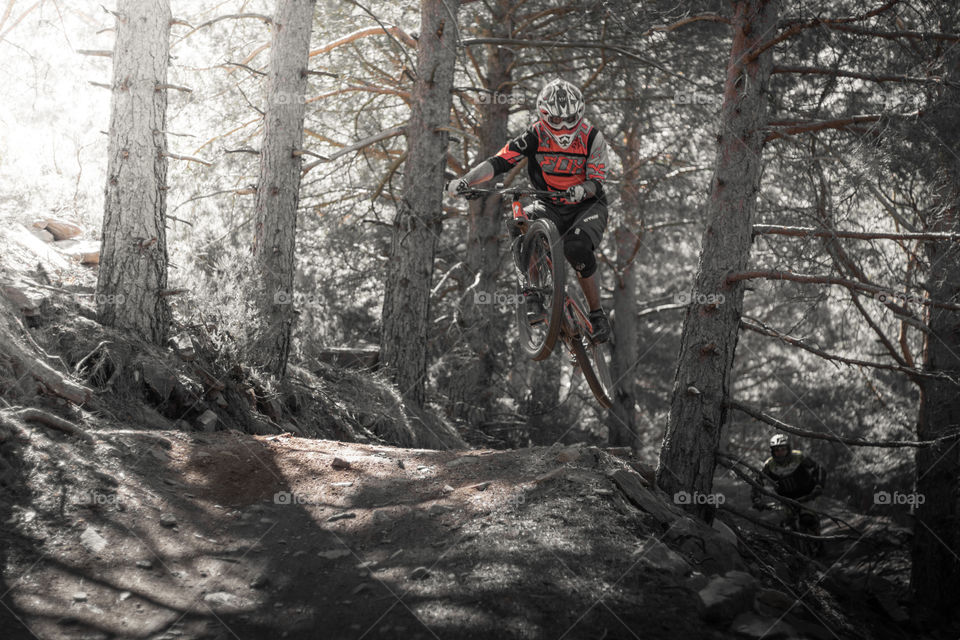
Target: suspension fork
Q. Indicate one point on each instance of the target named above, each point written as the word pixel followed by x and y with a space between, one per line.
pixel 521 222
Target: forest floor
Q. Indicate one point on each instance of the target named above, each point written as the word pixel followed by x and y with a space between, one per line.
pixel 165 535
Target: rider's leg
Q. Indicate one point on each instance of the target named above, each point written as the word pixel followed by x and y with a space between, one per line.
pixel 579 246
pixel 591 290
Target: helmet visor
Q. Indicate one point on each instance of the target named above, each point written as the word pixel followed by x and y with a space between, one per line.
pixel 558 122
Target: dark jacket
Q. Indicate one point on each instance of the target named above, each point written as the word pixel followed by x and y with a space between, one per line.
pixel 797 476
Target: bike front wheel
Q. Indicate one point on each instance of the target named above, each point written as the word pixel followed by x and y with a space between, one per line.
pixel 542 254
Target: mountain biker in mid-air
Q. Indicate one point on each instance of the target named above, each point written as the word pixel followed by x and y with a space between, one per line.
pixel 794 476
pixel 567 155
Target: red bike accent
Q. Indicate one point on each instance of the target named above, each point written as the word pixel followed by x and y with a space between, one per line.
pixel 518 212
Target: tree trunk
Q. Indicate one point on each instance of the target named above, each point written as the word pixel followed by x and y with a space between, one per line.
pixel 701 385
pixel 406 304
pixel 278 191
pixel 133 253
pixel 622 418
pixel 935 570
pixel 546 420
pixel 473 391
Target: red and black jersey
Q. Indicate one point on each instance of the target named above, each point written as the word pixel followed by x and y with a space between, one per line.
pixel 554 168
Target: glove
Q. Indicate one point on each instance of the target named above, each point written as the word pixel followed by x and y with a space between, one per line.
pixel 456 188
pixel 576 193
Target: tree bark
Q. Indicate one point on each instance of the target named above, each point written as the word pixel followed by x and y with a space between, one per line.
pixel 406 304
pixel 935 570
pixel 622 419
pixel 278 191
pixel 472 392
pixel 546 419
pixel 133 253
pixel 698 408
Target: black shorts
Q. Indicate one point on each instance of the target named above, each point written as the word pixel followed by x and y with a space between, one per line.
pixel 591 219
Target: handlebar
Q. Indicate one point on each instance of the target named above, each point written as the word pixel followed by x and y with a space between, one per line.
pixel 514 191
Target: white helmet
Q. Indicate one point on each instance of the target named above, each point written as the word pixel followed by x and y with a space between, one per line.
pixel 560 105
pixel 779 440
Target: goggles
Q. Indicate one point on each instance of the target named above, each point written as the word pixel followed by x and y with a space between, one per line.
pixel 558 122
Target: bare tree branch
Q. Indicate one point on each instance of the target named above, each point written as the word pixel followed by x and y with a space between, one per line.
pixel 232 16
pixel 756 414
pixel 762 329
pixel 803 232
pixel 188 159
pixel 383 135
pixel 793 27
pixel 840 73
pixel 790 129
pixel 843 282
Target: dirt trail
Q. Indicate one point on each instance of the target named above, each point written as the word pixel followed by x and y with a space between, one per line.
pixel 176 535
pixel 169 535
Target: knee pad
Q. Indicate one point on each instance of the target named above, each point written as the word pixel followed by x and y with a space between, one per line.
pixel 578 248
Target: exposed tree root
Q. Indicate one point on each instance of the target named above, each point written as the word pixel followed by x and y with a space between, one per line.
pixel 31 414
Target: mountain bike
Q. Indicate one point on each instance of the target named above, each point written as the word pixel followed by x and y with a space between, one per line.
pixel 542 272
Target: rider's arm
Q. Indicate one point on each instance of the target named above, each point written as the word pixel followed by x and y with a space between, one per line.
pixel 511 153
pixel 596 166
pixel 480 173
pixel 523 146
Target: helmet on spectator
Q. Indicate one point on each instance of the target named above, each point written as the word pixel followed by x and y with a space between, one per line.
pixel 560 105
pixel 779 444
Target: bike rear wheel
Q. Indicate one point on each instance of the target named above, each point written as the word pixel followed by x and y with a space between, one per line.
pixel 591 357
pixel 592 360
pixel 542 252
